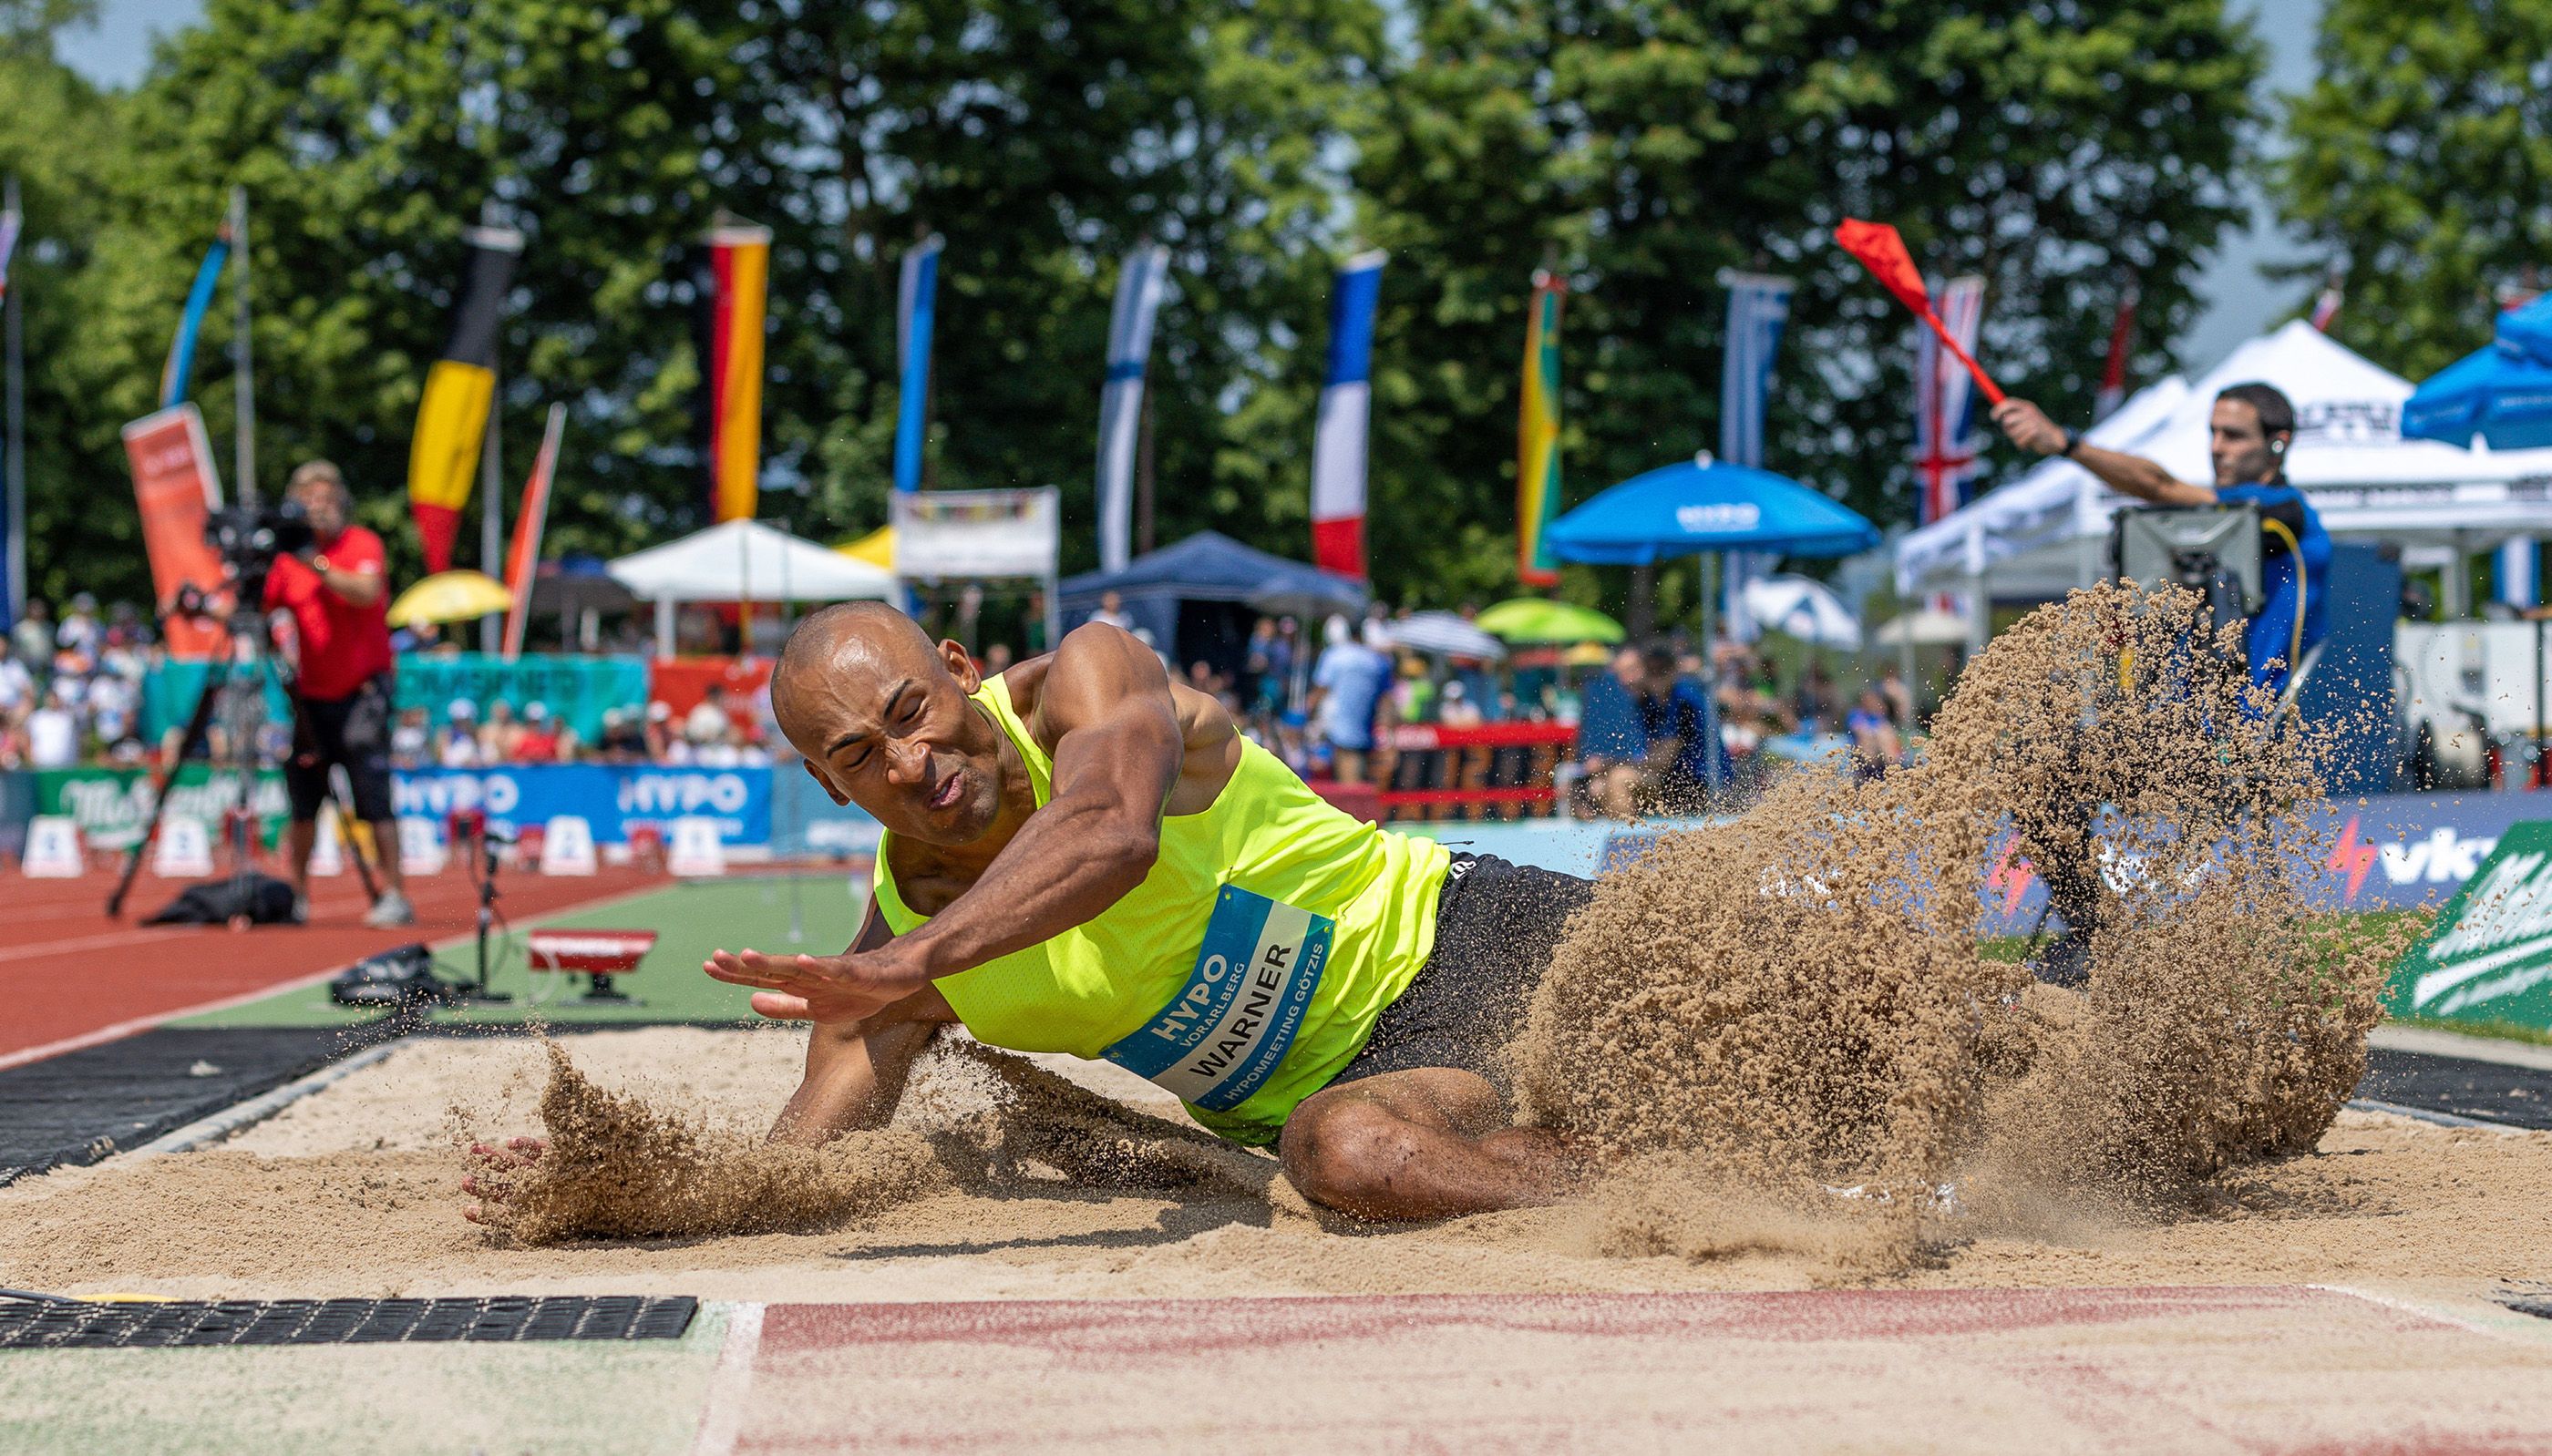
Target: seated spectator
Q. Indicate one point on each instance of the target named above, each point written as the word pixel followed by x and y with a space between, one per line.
pixel 539 742
pixel 1900 698
pixel 1459 711
pixel 709 722
pixel 624 737
pixel 659 730
pixel 17 684
pixel 1876 747
pixel 80 627
pixel 997 659
pixel 410 740
pixel 500 736
pixel 33 637
pixel 111 703
pixel 1609 734
pixel 52 734
pixel 458 746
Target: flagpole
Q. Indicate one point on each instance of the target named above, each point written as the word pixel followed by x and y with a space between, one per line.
pixel 244 387
pixel 17 450
pixel 492 475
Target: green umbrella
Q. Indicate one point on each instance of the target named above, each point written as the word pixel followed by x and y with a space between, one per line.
pixel 1533 619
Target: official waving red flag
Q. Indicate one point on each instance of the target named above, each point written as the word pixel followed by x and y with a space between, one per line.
pixel 1883 253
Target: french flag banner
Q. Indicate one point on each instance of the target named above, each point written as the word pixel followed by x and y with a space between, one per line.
pixel 1338 441
pixel 1121 402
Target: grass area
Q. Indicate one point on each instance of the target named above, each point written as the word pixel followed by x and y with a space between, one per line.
pixel 612 1398
pixel 691 920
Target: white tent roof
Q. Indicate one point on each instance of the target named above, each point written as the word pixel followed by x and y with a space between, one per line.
pixel 2042 533
pixel 739 560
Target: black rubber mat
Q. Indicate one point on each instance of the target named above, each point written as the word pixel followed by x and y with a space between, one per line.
pixel 2539 1308
pixel 87 1104
pixel 31 1325
pixel 2493 1091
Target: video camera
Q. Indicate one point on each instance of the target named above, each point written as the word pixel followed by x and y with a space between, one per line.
pixel 249 538
pixel 2211 549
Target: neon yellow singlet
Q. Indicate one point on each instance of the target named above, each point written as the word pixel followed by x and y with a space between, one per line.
pixel 1244 973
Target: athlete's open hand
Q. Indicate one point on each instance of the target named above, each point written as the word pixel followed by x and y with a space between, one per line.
pixel 844 987
pixel 494 1182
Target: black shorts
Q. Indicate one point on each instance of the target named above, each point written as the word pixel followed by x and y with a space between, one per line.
pixel 353 731
pixel 1497 925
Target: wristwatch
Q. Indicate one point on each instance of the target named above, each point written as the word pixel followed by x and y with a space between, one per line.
pixel 2073 443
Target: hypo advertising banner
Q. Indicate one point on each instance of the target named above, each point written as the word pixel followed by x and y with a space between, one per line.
pixel 110 805
pixel 612 798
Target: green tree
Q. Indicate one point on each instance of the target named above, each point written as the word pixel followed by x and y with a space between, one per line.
pixel 1041 137
pixel 58 138
pixel 2057 149
pixel 2421 160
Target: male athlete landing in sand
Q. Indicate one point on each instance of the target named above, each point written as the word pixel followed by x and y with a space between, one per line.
pixel 1082 856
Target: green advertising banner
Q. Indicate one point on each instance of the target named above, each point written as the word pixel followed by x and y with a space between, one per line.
pixel 110 805
pixel 576 688
pixel 2489 958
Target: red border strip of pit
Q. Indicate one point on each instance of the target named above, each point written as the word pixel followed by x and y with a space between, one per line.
pixel 2231 1368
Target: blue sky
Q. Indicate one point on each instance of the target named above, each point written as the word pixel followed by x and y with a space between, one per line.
pixel 2240 301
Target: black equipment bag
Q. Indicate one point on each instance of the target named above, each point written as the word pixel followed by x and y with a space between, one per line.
pixel 262 899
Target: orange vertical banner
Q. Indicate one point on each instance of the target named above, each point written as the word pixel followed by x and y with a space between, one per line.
pixel 740 262
pixel 174 483
pixel 523 557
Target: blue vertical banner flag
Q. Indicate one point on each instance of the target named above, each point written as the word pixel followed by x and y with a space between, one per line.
pixel 180 372
pixel 8 245
pixel 915 299
pixel 1338 439
pixel 2516 579
pixel 1120 400
pixel 1759 306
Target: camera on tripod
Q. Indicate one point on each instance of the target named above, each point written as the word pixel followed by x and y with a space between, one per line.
pixel 2213 551
pixel 249 538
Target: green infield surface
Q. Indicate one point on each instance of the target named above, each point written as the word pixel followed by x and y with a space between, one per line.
pixel 691 920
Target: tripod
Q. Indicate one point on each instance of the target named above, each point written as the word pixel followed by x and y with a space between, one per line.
pixel 250 639
pixel 483 864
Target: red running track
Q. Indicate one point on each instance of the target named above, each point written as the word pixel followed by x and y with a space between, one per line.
pixel 70 977
pixel 2276 1370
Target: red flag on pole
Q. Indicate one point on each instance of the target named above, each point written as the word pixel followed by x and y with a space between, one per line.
pixel 525 556
pixel 2113 374
pixel 1883 252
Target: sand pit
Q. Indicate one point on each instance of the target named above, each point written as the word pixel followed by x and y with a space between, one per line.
pixel 354 1192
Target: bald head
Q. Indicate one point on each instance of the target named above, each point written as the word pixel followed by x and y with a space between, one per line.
pixel 868 629
pixel 881 715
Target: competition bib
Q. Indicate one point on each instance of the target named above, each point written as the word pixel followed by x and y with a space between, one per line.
pixel 1222 1035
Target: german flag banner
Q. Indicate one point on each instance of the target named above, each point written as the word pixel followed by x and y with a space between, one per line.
pixel 460 392
pixel 740 273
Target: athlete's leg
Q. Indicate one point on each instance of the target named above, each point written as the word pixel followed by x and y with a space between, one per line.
pixel 1430 1142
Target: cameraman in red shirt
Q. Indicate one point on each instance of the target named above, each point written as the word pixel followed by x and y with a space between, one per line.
pixel 338 592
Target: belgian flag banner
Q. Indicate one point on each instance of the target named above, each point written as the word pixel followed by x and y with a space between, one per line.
pixel 459 391
pixel 739 279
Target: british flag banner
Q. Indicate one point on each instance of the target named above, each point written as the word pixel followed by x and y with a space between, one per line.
pixel 1946 445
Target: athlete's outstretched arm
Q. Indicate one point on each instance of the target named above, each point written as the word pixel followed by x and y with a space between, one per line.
pixel 1117 751
pixel 1106 708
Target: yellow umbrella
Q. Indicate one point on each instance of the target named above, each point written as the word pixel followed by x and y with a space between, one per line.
pixel 876 548
pixel 450 596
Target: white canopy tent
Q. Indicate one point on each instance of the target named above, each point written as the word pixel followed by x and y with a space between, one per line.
pixel 2047 532
pixel 743 561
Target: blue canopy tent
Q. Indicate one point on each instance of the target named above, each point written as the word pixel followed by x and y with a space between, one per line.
pixel 2528 330
pixel 1703 506
pixel 2496 391
pixel 1197 597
